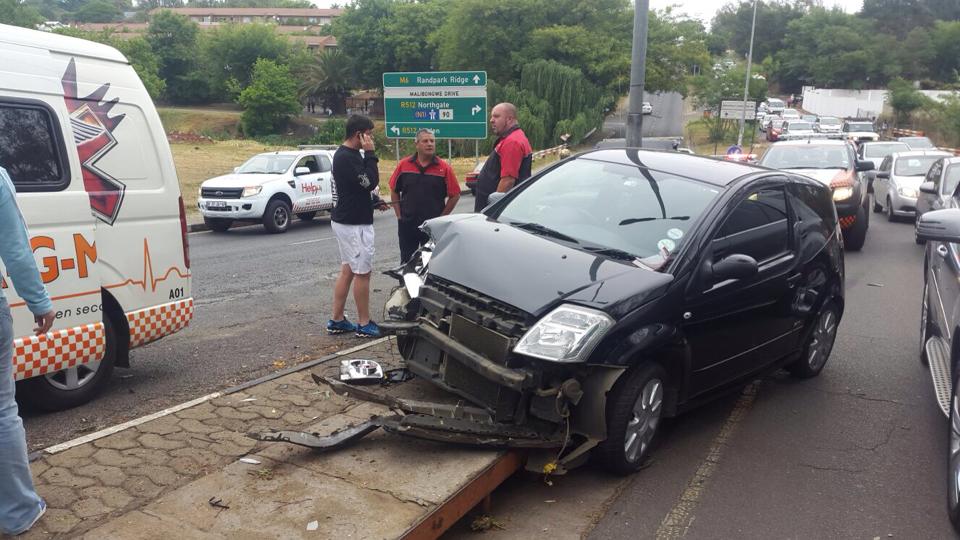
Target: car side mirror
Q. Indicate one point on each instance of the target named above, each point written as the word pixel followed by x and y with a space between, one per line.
pixel 883 174
pixel 940 226
pixel 300 171
pixel 495 197
pixel 927 187
pixel 736 266
pixel 863 165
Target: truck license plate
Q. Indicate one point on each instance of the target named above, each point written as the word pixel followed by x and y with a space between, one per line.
pixel 216 204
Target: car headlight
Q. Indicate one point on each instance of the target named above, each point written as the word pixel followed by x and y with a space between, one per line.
pixel 907 192
pixel 567 334
pixel 250 191
pixel 842 193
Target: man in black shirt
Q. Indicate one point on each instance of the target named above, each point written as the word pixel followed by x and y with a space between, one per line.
pixel 356 184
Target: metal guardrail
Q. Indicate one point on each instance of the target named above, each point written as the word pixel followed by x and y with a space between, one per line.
pixel 897 132
pixel 555 150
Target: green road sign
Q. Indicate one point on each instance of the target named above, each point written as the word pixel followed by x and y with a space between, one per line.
pixel 451 103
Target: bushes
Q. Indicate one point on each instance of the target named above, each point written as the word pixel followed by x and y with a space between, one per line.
pixel 269 100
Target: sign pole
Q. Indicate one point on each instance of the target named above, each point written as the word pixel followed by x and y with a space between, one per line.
pixel 638 61
pixel 746 84
pixel 476 152
pixel 398 149
pixel 449 148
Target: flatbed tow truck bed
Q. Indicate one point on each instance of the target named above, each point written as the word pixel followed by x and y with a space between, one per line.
pixel 193 472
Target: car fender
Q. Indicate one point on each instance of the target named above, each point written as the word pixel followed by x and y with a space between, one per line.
pixel 589 417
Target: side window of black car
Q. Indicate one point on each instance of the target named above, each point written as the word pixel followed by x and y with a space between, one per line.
pixel 758 227
pixel 933 175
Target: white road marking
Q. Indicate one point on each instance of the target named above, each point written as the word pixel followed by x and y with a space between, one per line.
pixel 313 241
pixel 676 523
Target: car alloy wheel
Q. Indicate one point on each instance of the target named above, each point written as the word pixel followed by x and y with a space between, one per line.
pixel 75 377
pixel 646 417
pixel 953 460
pixel 280 217
pixel 821 342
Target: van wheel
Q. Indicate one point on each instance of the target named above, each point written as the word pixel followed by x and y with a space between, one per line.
pixel 74 386
pixel 634 413
pixel 276 218
pixel 218 224
pixel 856 236
pixel 306 216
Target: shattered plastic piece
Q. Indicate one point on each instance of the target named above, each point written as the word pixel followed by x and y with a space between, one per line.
pixel 874 284
pixel 250 460
pixel 248 399
pixel 398 375
pixel 360 371
pixel 313 525
pixel 217 502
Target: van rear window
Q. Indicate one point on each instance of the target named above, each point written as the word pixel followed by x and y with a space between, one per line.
pixel 29 148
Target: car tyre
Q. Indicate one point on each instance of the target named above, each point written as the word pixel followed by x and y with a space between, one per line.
pixel 916 223
pixel 856 236
pixel 218 224
pixel 819 345
pixel 891 217
pixel 276 218
pixel 926 326
pixel 634 414
pixel 306 216
pixel 953 456
pixel 53 392
pixel 876 207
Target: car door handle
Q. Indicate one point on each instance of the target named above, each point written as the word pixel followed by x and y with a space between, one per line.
pixel 792 280
pixel 942 250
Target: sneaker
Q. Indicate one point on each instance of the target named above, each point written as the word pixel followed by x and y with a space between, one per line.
pixel 43 510
pixel 369 330
pixel 340 327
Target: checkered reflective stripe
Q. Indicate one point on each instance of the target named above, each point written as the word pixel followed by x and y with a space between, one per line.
pixel 57 350
pixel 155 322
pixel 847 222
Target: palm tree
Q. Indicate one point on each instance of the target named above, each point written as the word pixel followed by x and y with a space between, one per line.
pixel 329 79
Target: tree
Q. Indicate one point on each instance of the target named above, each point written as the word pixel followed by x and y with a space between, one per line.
pixel 917 54
pixel 98 11
pixel 144 62
pixel 14 13
pixel 328 79
pixel 270 99
pixel 674 46
pixel 945 37
pixel 733 21
pixel 905 99
pixel 361 33
pixel 230 51
pixel 173 38
pixel 826 48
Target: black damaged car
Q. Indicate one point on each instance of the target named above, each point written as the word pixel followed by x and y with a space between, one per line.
pixel 614 289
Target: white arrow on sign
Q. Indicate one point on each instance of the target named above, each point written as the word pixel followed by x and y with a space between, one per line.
pixel 395 130
pixel 476 79
pixel 476 109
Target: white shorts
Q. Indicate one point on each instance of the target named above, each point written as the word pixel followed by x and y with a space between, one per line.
pixel 356 246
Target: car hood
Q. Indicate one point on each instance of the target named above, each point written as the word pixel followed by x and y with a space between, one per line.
pixel 240 180
pixel 908 181
pixel 824 176
pixel 534 273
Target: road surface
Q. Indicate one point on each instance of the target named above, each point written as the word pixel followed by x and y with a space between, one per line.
pixel 666 120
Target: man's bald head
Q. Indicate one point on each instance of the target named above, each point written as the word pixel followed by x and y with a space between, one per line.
pixel 503 117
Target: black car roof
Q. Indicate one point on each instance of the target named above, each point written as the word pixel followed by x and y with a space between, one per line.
pixel 705 169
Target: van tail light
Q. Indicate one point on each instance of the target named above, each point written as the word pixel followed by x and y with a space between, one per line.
pixel 183 234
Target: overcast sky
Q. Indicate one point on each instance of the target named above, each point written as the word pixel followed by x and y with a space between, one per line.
pixel 699 9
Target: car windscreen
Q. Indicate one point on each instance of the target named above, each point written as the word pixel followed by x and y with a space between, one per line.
pixel 775 103
pixel 800 126
pixel 829 121
pixel 951 180
pixel 882 150
pixel 918 143
pixel 914 166
pixel 598 205
pixel 807 156
pixel 266 164
pixel 859 126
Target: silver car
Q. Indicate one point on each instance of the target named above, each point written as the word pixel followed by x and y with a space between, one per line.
pixel 896 186
pixel 918 143
pixel 828 124
pixel 939 185
pixel 874 152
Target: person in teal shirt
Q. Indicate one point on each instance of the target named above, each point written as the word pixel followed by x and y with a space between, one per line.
pixel 20 506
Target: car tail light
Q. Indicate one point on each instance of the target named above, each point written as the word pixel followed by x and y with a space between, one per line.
pixel 183 234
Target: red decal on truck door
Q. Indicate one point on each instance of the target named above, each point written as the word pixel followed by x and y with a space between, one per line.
pixel 93 136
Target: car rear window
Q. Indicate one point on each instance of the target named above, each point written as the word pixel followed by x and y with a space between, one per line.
pixel 884 149
pixel 859 126
pixel 914 166
pixel 919 143
pixel 807 156
pixel 30 148
pixel 798 126
pixel 830 121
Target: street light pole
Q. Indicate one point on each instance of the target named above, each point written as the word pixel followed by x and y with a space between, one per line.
pixel 637 74
pixel 746 83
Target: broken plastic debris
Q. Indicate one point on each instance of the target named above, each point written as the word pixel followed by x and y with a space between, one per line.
pixel 874 284
pixel 313 525
pixel 359 370
pixel 279 364
pixel 248 399
pixel 250 460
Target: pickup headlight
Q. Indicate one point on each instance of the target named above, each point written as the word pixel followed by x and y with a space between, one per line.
pixel 907 192
pixel 842 193
pixel 250 191
pixel 567 334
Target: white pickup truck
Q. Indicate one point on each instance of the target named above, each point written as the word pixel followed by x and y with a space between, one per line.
pixel 269 188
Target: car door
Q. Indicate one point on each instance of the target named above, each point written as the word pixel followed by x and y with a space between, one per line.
pixel 736 327
pixel 944 266
pixel 307 185
pixel 881 185
pixel 326 181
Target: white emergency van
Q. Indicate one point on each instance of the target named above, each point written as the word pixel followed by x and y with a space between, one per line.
pixel 96 184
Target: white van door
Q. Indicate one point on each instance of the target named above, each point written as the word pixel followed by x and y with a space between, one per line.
pixel 308 186
pixel 57 211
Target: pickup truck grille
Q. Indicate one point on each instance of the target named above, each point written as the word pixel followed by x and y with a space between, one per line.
pixel 221 193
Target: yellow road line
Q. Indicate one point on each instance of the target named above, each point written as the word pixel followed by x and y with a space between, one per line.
pixel 676 523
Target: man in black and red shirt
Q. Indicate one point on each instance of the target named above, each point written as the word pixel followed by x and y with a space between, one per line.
pixel 422 187
pixel 510 161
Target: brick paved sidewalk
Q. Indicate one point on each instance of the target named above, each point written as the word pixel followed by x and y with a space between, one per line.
pixel 155 479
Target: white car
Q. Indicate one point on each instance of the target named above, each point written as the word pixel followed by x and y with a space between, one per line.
pixel 797 129
pixel 790 114
pixel 646 108
pixel 859 131
pixel 269 188
pixel 775 106
pixel 828 125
